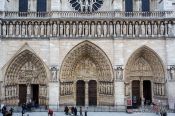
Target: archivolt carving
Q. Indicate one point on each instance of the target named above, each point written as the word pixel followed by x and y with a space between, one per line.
pixel 144 62
pixel 24 68
pixel 88 60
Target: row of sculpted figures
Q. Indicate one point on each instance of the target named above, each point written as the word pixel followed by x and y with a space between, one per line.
pixel 86 28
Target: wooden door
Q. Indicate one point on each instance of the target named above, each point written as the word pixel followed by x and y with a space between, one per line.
pixel 80 93
pixel 22 93
pixel 92 90
pixel 136 93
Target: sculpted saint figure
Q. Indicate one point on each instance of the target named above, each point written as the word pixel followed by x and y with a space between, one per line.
pixel 23 29
pixel 42 29
pixel 86 29
pixel 67 29
pixel 61 29
pixel 149 29
pixel 74 29
pixel 162 29
pixel 118 29
pixel 98 29
pixel 11 29
pixel 124 29
pixel 105 28
pixel 143 29
pixel 48 29
pixel 80 29
pixel 54 29
pixel 111 28
pixel 36 29
pixel 130 29
pixel 30 29
pixel 155 29
pixel 17 29
pixel 170 29
pixel 4 29
pixel 92 29
pixel 136 29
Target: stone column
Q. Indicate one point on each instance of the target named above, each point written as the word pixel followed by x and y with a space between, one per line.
pixel 86 93
pixel 119 87
pixel 28 99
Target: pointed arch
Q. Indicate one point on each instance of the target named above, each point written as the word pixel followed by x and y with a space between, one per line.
pixel 153 65
pixel 84 51
pixel 25 68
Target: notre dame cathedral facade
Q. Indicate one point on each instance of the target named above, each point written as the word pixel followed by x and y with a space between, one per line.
pixel 87 52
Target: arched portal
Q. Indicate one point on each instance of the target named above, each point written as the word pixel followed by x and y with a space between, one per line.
pixel 144 76
pixel 26 80
pixel 86 62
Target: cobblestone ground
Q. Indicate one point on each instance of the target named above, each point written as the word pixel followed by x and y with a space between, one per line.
pixel 92 114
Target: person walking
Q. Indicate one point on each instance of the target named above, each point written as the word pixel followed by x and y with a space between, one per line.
pixel 66 110
pixel 85 112
pixel 81 114
pixel 75 111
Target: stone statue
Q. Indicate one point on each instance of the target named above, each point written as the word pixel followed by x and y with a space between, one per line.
pixel 17 29
pixel 80 29
pixel 127 93
pixel 54 32
pixel 36 29
pixel 4 29
pixel 48 29
pixel 23 33
pixel 98 29
pixel 149 29
pixel 137 29
pixel 11 29
pixel 42 29
pixel 118 29
pixel 155 29
pixel 54 73
pixel 61 29
pixel 142 29
pixel 30 30
pixel 119 73
pixel 93 29
pixel 111 28
pixel 86 29
pixel 162 29
pixel 67 29
pixel 170 29
pixel 105 29
pixel 130 29
pixel 74 29
pixel 124 29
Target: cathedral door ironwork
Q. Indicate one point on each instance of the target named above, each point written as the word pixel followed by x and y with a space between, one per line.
pixel 92 90
pixel 147 91
pixel 22 93
pixel 80 93
pixel 136 93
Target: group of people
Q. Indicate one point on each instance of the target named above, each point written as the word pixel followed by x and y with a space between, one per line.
pixel 73 111
pixel 7 112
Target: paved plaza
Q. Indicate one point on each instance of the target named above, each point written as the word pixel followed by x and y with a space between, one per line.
pixel 93 114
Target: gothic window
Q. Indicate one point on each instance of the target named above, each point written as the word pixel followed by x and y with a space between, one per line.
pixel 41 5
pixel 86 5
pixel 23 5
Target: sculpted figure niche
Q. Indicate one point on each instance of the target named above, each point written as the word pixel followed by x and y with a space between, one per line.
pixel 4 29
pixel 137 29
pixel 143 29
pixel 29 29
pixel 80 29
pixel 118 29
pixel 149 30
pixel 67 30
pixel 48 29
pixel 54 73
pixel 74 29
pixel 42 29
pixel 23 30
pixel 98 29
pixel 162 29
pixel 93 29
pixel 36 29
pixel 105 29
pixel 11 29
pixel 17 29
pixel 119 73
pixel 54 32
pixel 61 29
pixel 170 29
pixel 124 29
pixel 155 29
pixel 111 28
pixel 130 29
pixel 86 29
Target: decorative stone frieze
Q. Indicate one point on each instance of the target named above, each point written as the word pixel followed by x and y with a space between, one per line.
pixel 88 29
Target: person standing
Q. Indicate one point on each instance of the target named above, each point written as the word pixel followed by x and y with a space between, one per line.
pixel 81 114
pixel 85 112
pixel 75 111
pixel 66 110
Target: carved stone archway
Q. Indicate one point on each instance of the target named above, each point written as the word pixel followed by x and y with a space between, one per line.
pixel 86 62
pixel 145 65
pixel 25 72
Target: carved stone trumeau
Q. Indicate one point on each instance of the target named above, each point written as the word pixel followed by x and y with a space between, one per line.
pixel 54 71
pixel 171 72
pixel 119 72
